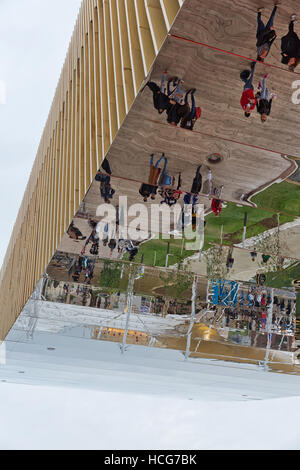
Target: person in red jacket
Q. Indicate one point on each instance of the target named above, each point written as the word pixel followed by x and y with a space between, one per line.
pixel 248 100
pixel 216 203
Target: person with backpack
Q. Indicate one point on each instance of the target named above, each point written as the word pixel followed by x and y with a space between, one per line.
pixel 264 101
pixel 150 189
pixel 248 100
pixel 189 121
pixel 265 35
pixel 290 47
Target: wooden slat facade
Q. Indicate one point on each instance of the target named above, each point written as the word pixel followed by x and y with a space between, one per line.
pixel 113 46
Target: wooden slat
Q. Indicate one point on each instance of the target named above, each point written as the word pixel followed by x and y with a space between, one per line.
pixel 112 48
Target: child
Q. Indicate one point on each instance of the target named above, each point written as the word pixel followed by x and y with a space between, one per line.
pixel 264 102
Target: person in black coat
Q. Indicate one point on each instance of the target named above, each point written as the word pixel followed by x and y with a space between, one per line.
pixel 265 35
pixel 290 47
pixel 197 182
pixel 161 100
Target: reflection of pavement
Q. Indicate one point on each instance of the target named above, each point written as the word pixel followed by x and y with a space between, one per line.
pixel 69 245
pixel 242 269
pixel 164 332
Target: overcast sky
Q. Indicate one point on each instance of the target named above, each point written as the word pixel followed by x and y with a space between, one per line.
pixel 47 418
pixel 34 38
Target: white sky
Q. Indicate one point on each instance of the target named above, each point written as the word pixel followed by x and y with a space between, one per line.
pixel 81 419
pixel 34 38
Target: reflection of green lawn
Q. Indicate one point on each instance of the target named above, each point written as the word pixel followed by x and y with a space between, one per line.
pixel 284 278
pixel 160 246
pixel 283 197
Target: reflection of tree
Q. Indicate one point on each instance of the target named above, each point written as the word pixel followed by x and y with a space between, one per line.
pixel 271 244
pixel 216 262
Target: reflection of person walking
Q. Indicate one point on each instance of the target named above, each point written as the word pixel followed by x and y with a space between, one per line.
pixel 197 182
pixel 161 101
pixel 265 35
pixel 177 93
pixel 155 170
pixel 216 203
pixel 149 189
pixel 290 46
pixel 248 100
pixel 189 121
pixel 264 101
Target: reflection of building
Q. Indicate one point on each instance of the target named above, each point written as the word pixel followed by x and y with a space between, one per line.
pixel 114 45
pixel 111 51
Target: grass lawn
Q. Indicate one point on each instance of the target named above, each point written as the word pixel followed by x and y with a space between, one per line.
pixel 284 278
pixel 283 197
pixel 160 246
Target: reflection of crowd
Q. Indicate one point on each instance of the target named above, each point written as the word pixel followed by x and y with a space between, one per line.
pixel 251 311
pixel 180 106
pixel 115 244
pixel 84 266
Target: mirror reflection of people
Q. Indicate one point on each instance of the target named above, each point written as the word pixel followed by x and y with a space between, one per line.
pixel 168 191
pixel 112 245
pixel 177 93
pixel 248 100
pixel 264 100
pixel 155 172
pixel 177 112
pixel 290 46
pixel 74 232
pixel 189 121
pixel 230 259
pixel 132 249
pixel 94 240
pixel 161 101
pixel 217 203
pixel 265 35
